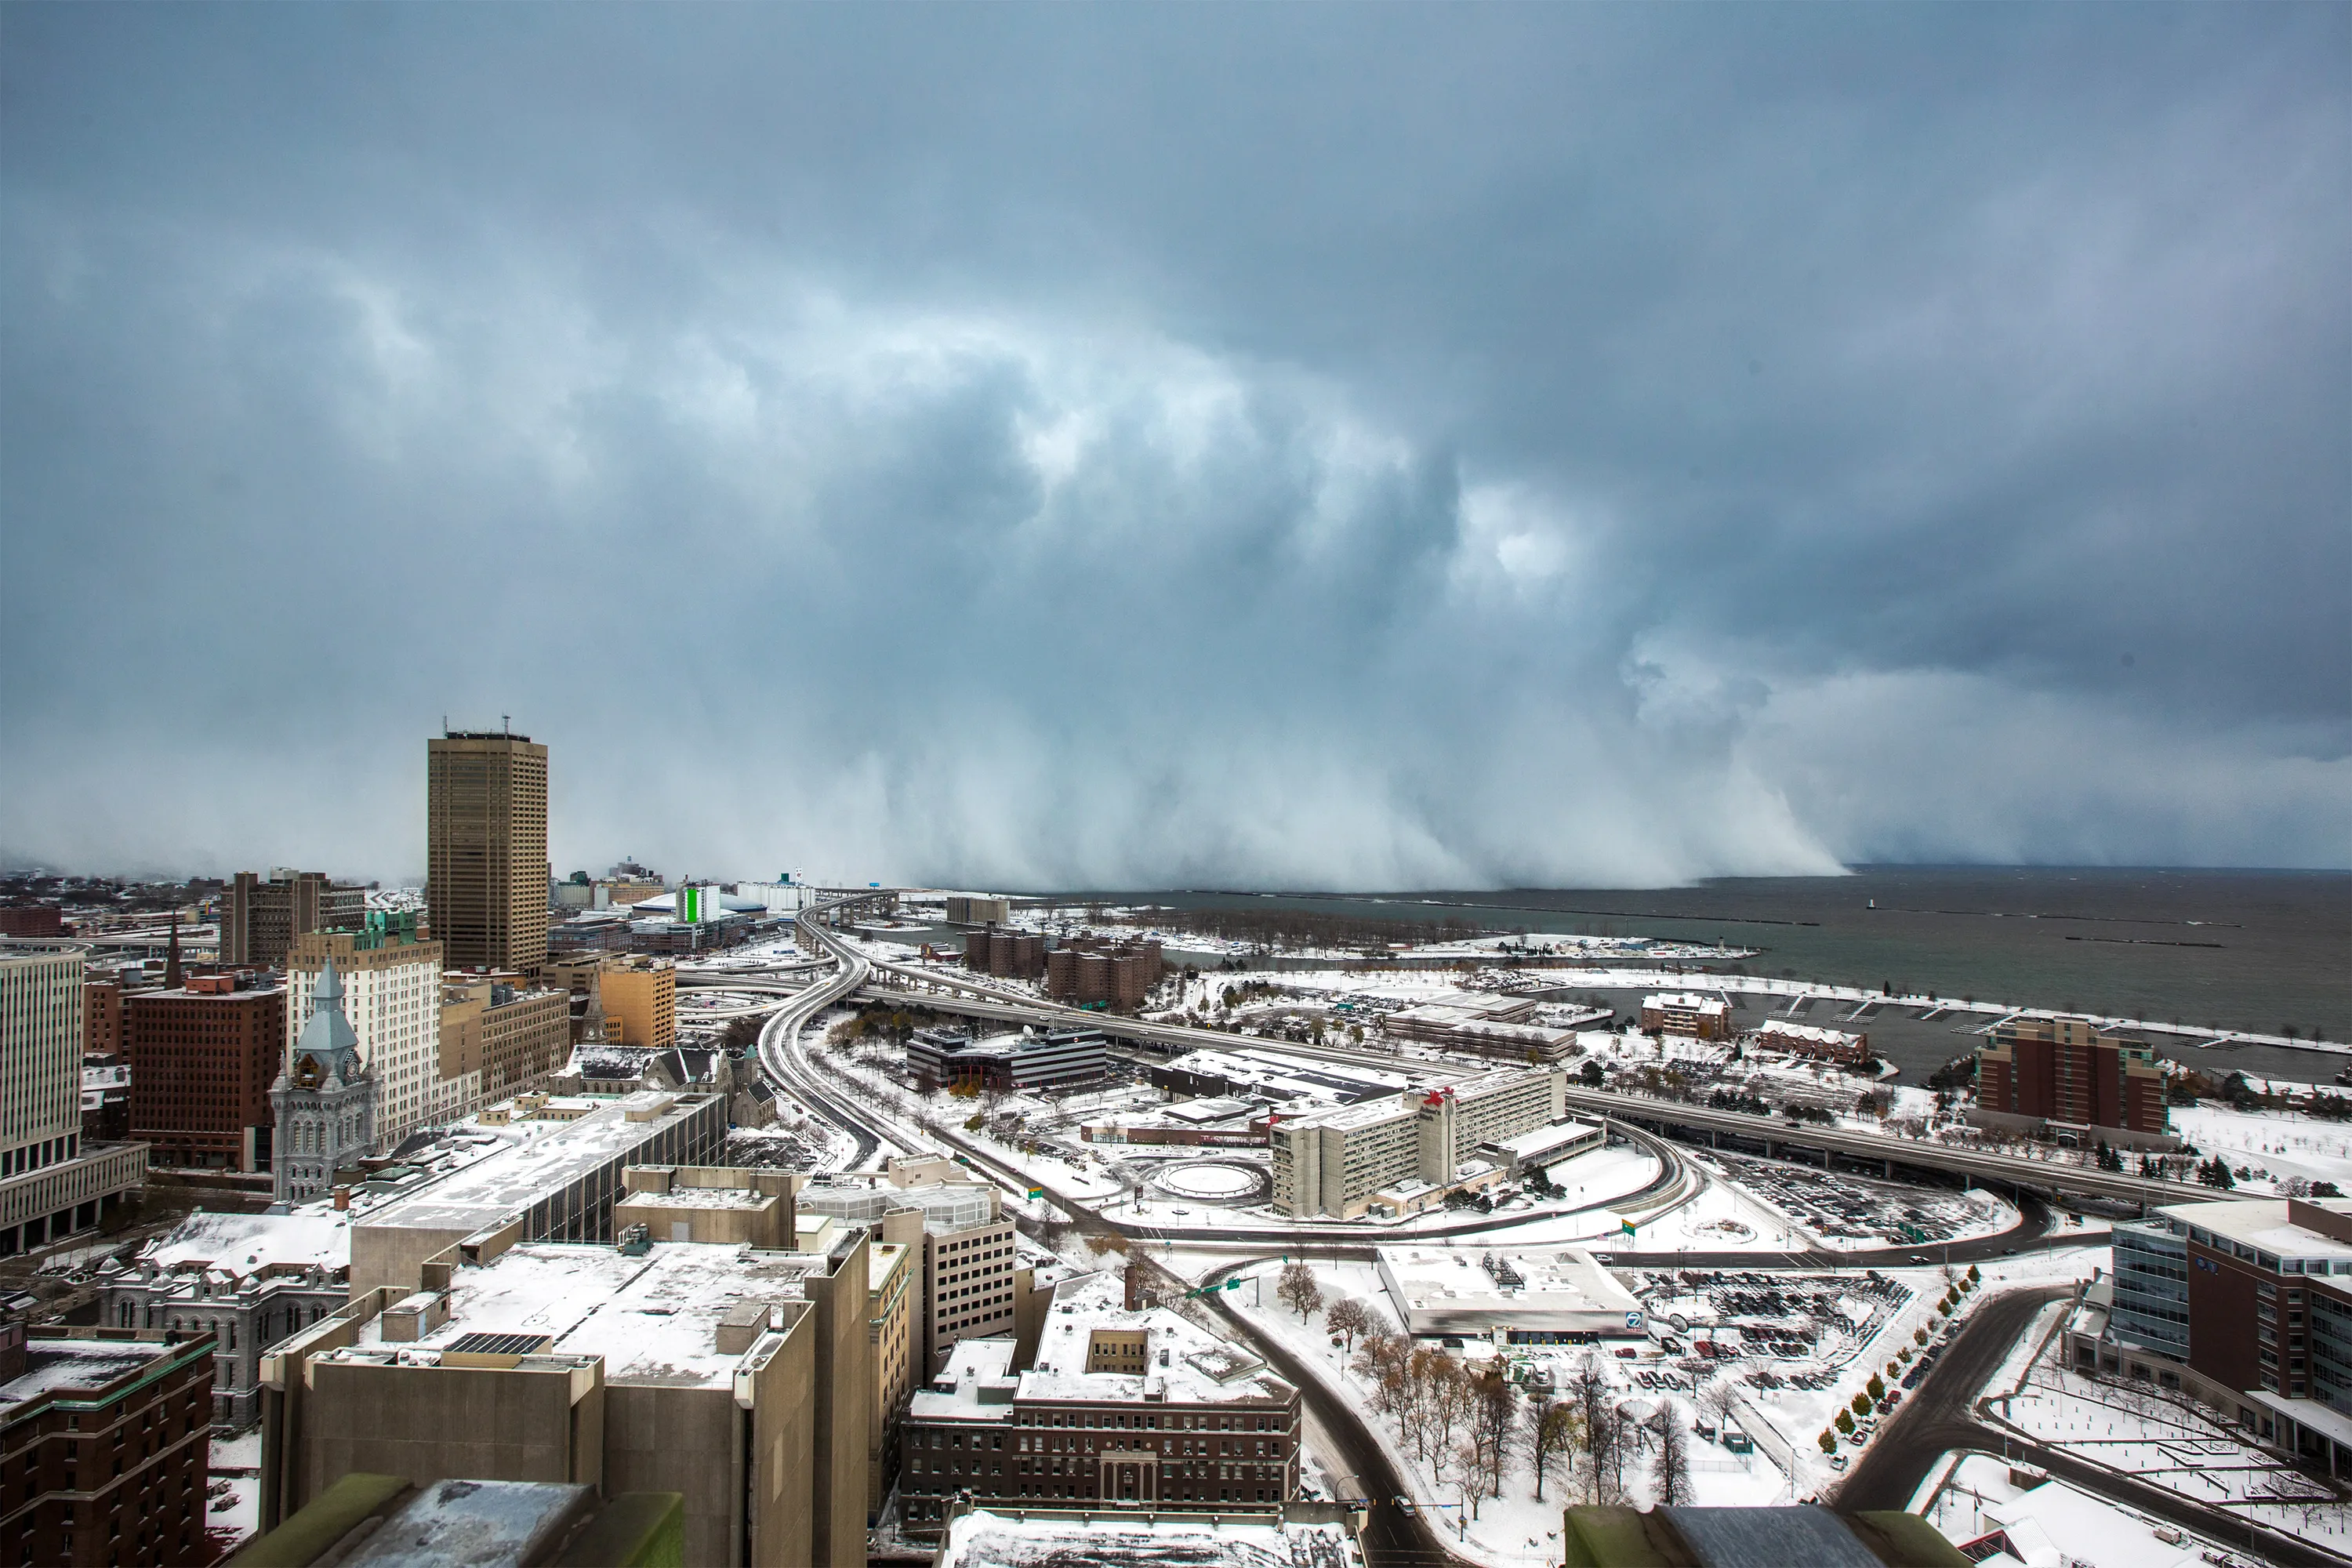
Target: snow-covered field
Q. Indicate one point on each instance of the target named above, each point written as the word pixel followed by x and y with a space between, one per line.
pixel 2173 1443
pixel 2276 1145
pixel 2057 1523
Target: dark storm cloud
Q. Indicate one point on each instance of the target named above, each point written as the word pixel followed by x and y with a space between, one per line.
pixel 1128 446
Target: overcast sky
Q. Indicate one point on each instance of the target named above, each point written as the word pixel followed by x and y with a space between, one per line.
pixel 1368 447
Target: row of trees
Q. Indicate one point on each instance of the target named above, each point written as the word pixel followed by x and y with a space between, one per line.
pixel 1467 1423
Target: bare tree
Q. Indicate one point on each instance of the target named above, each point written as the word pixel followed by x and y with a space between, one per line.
pixel 1493 1421
pixel 1673 1471
pixel 1552 1432
pixel 1589 1394
pixel 1298 1288
pixel 1719 1400
pixel 1381 1363
pixel 1349 1317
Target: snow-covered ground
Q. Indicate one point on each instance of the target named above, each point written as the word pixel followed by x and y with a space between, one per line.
pixel 1513 1530
pixel 234 1507
pixel 2277 1146
pixel 2173 1443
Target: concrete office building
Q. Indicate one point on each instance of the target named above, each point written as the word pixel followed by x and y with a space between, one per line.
pixel 2070 1073
pixel 639 996
pixel 499 1036
pixel 967 1280
pixel 391 978
pixel 1029 1059
pixel 106 1437
pixel 326 1101
pixel 260 919
pixel 50 1186
pixel 245 1280
pixel 978 910
pixel 202 1058
pixel 486 848
pixel 557 1185
pixel 1347 1162
pixel 1122 1406
pixel 739 1379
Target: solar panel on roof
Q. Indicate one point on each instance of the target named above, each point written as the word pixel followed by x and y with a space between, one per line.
pixel 497 1344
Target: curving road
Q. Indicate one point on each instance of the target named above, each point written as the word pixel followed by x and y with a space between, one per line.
pixel 1941 1418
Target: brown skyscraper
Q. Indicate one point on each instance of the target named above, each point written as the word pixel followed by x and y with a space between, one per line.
pixel 485 849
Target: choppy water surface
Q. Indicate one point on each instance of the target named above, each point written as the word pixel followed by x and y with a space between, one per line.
pixel 2232 950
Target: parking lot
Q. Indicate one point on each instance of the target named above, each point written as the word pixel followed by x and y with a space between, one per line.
pixel 1846 1209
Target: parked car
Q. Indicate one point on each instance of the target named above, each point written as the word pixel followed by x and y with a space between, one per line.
pixel 1837 1461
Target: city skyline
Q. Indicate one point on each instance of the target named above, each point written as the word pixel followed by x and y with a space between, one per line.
pixel 1374 450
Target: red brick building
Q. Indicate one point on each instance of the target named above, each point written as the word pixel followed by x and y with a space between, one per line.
pixel 2073 1073
pixel 201 1059
pixel 31 920
pixel 1089 969
pixel 1017 954
pixel 105 1446
pixel 101 1017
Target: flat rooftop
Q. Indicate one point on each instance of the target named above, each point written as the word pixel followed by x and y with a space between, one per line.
pixel 1063 1539
pixel 544 1158
pixel 1182 1361
pixel 2262 1225
pixel 652 1319
pixel 73 1365
pixel 1457 1279
pixel 1537 1140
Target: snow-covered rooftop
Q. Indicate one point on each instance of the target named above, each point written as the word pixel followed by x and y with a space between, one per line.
pixel 2262 1225
pixel 653 1318
pixel 52 1365
pixel 1439 1290
pixel 1181 1360
pixel 545 1158
pixel 986 1539
pixel 241 1245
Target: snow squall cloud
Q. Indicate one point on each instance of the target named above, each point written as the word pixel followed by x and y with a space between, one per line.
pixel 1071 449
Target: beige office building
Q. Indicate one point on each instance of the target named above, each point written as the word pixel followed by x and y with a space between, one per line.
pixel 738 1377
pixel 640 1000
pixel 498 1036
pixel 391 996
pixel 485 849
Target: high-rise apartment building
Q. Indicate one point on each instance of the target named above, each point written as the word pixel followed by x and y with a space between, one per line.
pixel 259 920
pixel 49 1185
pixel 2072 1072
pixel 201 1059
pixel 485 849
pixel 392 997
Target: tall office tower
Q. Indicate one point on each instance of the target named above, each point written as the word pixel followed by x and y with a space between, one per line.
pixel 259 920
pixel 485 849
pixel 49 1185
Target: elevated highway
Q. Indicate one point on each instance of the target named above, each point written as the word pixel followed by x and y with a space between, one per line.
pixel 955 993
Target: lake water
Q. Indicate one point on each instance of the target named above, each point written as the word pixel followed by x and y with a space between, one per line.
pixel 2265 951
